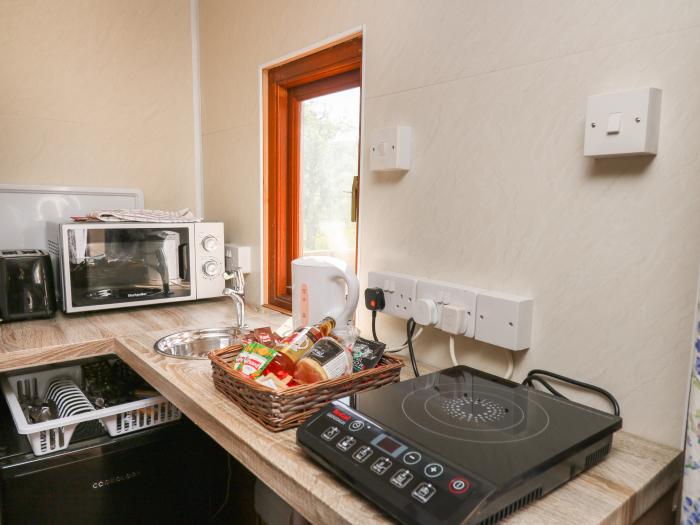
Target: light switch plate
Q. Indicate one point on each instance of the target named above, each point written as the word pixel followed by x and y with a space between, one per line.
pixel 504 320
pixel 390 149
pixel 623 124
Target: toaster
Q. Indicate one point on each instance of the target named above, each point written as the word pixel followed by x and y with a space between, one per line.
pixel 26 285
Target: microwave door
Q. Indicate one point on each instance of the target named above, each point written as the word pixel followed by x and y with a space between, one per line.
pixel 111 266
pixel 163 270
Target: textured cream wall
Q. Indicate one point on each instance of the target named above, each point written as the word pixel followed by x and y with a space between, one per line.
pixel 500 195
pixel 98 93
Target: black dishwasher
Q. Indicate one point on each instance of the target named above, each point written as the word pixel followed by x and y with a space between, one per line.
pixel 165 474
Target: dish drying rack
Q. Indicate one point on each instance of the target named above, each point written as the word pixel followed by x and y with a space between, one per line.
pixel 55 434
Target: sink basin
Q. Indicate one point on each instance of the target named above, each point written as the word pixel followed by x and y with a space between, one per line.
pixel 196 344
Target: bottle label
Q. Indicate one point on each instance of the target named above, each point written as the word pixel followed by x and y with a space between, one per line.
pixel 299 343
pixel 331 356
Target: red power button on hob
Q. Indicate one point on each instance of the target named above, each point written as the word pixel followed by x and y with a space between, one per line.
pixel 458 485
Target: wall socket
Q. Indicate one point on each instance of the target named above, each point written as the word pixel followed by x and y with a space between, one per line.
pixel 399 292
pixel 238 257
pixel 441 294
pixel 493 317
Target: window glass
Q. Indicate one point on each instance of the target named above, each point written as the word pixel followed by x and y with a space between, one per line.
pixel 330 134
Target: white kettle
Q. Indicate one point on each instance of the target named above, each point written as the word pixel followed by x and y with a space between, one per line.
pixel 319 289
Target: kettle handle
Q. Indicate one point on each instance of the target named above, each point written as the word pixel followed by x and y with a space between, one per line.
pixel 345 313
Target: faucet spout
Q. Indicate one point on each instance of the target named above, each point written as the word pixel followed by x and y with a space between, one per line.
pixel 239 303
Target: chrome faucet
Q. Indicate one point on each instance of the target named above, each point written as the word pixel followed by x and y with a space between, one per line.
pixel 236 293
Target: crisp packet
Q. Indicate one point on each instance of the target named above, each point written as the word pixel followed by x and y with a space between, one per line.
pixel 241 357
pixel 247 337
pixel 259 356
pixel 264 336
pixel 269 381
pixel 279 381
pixel 366 354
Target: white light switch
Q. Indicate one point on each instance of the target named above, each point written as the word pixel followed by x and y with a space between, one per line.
pixel 623 124
pixel 614 120
pixel 390 149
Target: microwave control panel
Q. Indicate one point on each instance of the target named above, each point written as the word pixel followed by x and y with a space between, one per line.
pixel 209 259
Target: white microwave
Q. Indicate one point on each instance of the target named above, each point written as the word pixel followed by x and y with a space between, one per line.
pixel 101 265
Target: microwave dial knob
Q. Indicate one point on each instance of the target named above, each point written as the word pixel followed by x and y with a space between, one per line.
pixel 210 268
pixel 210 243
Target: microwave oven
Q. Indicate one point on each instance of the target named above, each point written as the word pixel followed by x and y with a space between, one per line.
pixel 101 265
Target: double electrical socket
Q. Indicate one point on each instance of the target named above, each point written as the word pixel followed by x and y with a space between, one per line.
pixel 495 318
pixel 399 292
pixel 448 306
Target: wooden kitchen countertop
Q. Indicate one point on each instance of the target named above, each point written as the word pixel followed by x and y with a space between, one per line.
pixel 636 474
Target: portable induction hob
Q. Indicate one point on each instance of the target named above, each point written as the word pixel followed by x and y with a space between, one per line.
pixel 458 446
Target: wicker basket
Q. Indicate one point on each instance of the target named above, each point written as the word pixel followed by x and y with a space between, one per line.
pixel 280 410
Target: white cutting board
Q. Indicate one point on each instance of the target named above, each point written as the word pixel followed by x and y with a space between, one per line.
pixel 25 210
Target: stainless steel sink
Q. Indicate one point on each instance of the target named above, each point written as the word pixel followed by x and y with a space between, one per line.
pixel 196 344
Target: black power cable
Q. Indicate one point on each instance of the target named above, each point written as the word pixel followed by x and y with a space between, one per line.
pixel 410 328
pixel 529 382
pixel 374 326
pixel 374 335
pixel 533 375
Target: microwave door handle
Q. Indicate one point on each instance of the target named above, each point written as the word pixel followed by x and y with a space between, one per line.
pixel 163 270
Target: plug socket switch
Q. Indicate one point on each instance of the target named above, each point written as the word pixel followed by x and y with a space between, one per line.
pixel 504 320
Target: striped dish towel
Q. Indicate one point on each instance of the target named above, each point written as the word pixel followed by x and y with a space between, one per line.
pixel 184 215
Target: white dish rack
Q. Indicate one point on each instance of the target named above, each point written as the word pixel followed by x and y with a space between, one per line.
pixel 54 435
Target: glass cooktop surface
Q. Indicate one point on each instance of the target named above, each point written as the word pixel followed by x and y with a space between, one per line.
pixel 492 427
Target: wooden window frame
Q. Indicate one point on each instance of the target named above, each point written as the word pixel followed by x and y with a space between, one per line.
pixel 334 68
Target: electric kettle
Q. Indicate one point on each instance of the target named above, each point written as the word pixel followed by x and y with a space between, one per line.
pixel 323 286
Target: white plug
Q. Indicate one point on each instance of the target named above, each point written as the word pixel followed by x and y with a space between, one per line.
pixel 425 312
pixel 453 319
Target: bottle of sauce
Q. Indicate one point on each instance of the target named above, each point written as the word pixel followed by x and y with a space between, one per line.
pixel 293 347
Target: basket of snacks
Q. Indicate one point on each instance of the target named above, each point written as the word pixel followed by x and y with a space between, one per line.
pixel 280 382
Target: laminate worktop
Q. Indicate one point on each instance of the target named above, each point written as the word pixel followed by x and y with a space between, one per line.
pixel 638 475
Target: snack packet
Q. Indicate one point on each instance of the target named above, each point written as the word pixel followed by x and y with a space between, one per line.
pixel 247 337
pixel 257 358
pixel 366 354
pixel 264 336
pixel 270 381
pixel 279 381
pixel 241 357
pixel 285 378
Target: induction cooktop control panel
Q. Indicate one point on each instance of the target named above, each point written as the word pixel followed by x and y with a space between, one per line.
pixel 407 481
